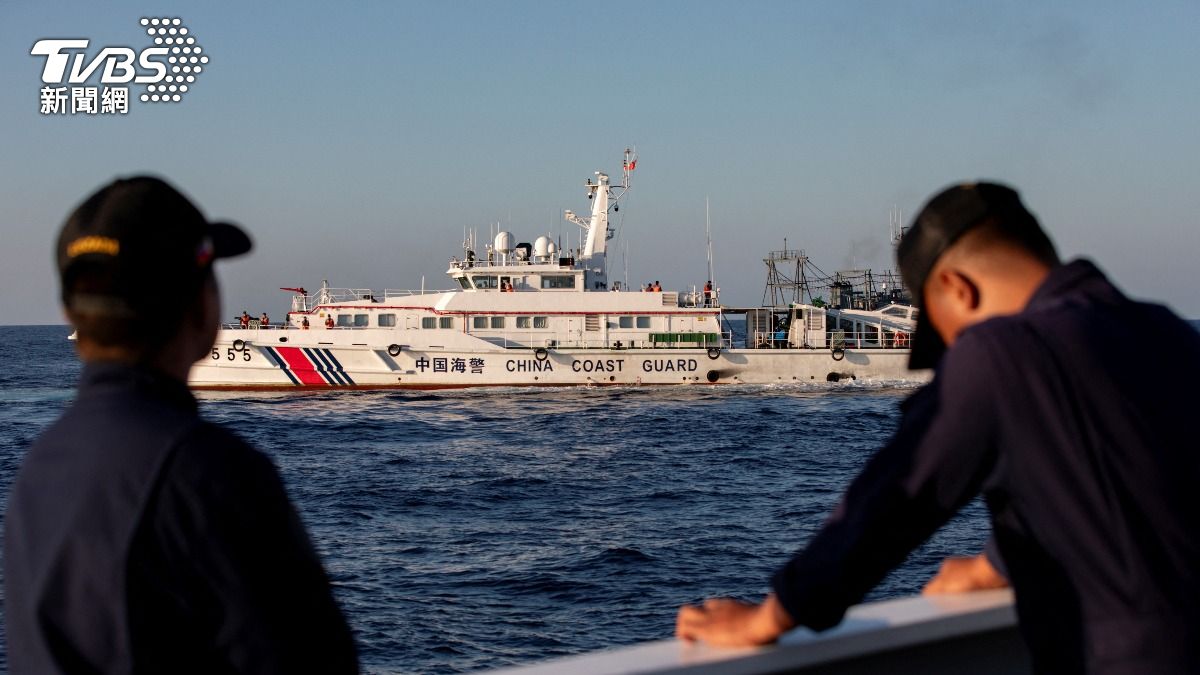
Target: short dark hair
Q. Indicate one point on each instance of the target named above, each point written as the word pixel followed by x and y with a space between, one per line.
pixel 964 207
pixel 1027 236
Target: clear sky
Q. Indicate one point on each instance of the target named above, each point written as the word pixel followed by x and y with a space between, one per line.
pixel 356 140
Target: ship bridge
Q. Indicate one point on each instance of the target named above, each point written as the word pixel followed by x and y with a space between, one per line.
pixel 520 269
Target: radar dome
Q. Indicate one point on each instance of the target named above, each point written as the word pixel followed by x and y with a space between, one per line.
pixel 504 242
pixel 541 246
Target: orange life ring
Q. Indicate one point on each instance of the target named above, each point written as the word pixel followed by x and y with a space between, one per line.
pixel 901 339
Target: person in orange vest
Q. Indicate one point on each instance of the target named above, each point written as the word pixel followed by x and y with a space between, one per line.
pixel 264 320
pixel 657 287
pixel 329 321
pixel 708 294
pixel 245 320
pixel 304 323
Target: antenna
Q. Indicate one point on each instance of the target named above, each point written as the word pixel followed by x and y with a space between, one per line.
pixel 625 261
pixel 895 224
pixel 708 237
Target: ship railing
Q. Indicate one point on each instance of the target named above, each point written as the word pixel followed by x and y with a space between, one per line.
pixel 405 293
pixel 956 633
pixel 512 261
pixel 330 295
pixel 306 303
pixel 835 339
pixel 695 298
pixel 255 324
pixel 540 340
pixel 325 296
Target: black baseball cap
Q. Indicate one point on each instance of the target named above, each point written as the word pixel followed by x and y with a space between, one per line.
pixel 144 242
pixel 941 222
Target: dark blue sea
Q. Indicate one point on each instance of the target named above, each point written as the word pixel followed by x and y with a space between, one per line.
pixel 477 529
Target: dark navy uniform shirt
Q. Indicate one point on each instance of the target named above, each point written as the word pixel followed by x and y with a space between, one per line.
pixel 1077 421
pixel 141 539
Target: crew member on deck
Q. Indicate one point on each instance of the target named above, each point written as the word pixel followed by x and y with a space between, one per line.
pixel 1042 401
pixel 245 320
pixel 304 323
pixel 708 293
pixel 138 537
pixel 329 321
pixel 264 320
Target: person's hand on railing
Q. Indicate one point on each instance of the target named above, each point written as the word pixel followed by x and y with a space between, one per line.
pixel 726 622
pixel 962 574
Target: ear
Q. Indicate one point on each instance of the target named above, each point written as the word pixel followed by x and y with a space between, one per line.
pixel 962 287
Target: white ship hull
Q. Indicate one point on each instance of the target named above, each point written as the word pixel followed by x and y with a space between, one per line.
pixel 259 360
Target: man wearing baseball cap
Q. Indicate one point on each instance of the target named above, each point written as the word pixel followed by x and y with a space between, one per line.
pixel 1062 401
pixel 138 537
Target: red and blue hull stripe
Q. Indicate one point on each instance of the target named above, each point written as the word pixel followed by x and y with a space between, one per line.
pixel 309 366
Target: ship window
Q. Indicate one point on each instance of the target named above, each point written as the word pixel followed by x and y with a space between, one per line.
pixel 462 281
pixel 387 320
pixel 445 322
pixel 522 322
pixel 625 322
pixel 497 322
pixel 429 322
pixel 479 322
pixel 539 322
pixel 345 321
pixel 362 320
pixel 558 281
pixel 485 282
pixel 643 322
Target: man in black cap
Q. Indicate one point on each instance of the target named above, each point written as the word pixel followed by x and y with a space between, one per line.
pixel 1068 406
pixel 138 537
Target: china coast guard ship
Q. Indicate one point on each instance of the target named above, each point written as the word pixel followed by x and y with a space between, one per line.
pixel 528 314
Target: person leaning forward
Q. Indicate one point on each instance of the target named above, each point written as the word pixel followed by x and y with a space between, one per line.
pixel 1042 401
pixel 139 537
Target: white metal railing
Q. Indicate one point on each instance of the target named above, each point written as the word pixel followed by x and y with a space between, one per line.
pixel 509 261
pixel 957 633
pixel 255 325
pixel 695 298
pixel 573 340
pixel 836 339
pixel 403 293
pixel 304 302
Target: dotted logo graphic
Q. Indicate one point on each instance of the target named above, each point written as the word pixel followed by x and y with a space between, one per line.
pixel 185 62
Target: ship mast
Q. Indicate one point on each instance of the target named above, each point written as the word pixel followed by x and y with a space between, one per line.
pixel 604 197
pixel 708 242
